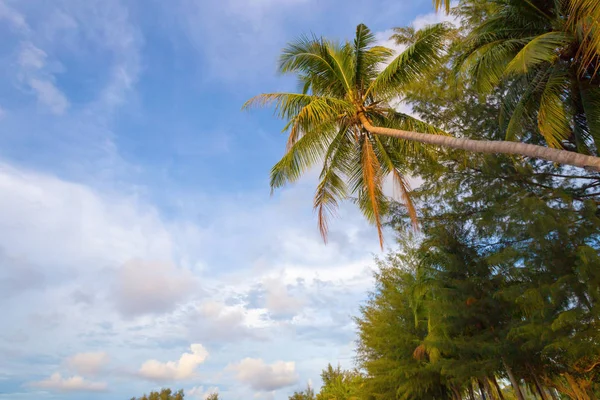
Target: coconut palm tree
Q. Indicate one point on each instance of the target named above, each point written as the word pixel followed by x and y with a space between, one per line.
pixel 342 116
pixel 541 50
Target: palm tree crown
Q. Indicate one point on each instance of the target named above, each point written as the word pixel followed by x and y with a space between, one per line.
pixel 340 83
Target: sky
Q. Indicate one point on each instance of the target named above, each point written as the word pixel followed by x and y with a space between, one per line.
pixel 140 247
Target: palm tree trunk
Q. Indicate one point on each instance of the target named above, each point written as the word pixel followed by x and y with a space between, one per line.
pixel 513 381
pixel 539 386
pixel 553 393
pixel 489 146
pixel 481 390
pixel 500 395
pixel 471 392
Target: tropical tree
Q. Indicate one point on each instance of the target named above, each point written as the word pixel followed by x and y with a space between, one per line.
pixel 164 394
pixel 343 117
pixel 339 384
pixel 521 239
pixel 306 394
pixel 540 50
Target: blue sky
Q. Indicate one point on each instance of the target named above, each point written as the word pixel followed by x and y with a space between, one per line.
pixel 139 245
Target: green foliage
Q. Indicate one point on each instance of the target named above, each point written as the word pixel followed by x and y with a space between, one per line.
pixel 306 394
pixel 541 51
pixel 503 279
pixel 339 384
pixel 164 394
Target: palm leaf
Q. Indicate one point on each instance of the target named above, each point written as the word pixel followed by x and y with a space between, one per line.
pixel 303 112
pixel 518 105
pixel 584 17
pixel 553 121
pixel 363 40
pixel 332 188
pixel 439 3
pixel 370 195
pixel 401 186
pixel 413 63
pixel 541 49
pixel 487 64
pixel 305 152
pixel 311 56
pixel 590 98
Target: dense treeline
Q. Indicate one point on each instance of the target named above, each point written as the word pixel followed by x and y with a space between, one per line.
pixel 497 296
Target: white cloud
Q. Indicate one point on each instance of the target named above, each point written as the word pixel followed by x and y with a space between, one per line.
pixel 200 393
pixel 184 368
pixel 241 32
pixel 32 56
pixel 68 225
pixel 13 16
pixel 88 363
pixel 147 287
pixel 422 21
pixel 49 95
pixel 73 384
pixel 383 39
pixel 278 298
pixel 261 376
pixel 215 321
pixel 33 62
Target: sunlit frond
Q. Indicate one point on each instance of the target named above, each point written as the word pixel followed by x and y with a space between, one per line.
pixel 303 112
pixel 584 18
pixel 553 121
pixel 405 35
pixel 438 4
pixel 342 61
pixel 486 65
pixel 306 152
pixel 311 56
pixel 392 163
pixel 403 148
pixel 332 187
pixel 363 40
pixel 541 49
pixel 370 195
pixel 413 63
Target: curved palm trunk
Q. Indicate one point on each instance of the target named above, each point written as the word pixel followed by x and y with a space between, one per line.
pixel 489 146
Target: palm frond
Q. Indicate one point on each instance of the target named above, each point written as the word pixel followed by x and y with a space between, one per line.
pixel 311 56
pixel 590 98
pixel 518 105
pixel 305 152
pixel 438 4
pixel 413 63
pixel 401 186
pixel 370 195
pixel 553 121
pixel 304 112
pixel 487 64
pixel 541 49
pixel 332 187
pixel 403 148
pixel 362 41
pixel 584 17
pixel 342 62
pixel 404 35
